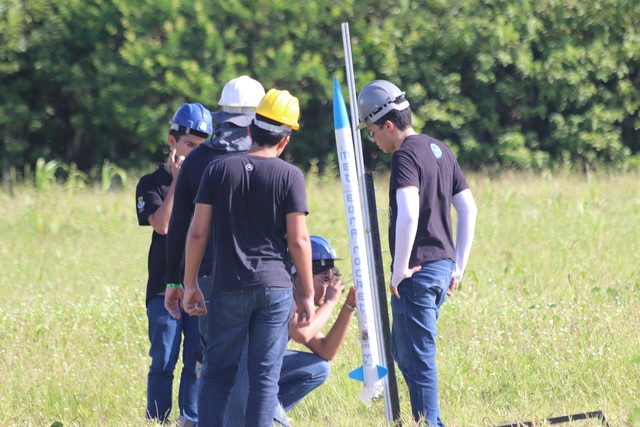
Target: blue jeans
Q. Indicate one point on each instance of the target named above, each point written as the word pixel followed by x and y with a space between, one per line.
pixel 301 373
pixel 261 313
pixel 165 336
pixel 413 335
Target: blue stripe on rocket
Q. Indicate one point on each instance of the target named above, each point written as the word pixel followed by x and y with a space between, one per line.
pixel 340 117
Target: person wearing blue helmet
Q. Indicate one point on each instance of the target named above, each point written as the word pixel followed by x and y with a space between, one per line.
pixel 302 372
pixel 190 126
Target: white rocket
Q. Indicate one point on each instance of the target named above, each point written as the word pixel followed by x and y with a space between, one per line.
pixel 370 372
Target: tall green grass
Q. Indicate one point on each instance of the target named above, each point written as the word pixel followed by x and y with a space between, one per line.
pixel 547 321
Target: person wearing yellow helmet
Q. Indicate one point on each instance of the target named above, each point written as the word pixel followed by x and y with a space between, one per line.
pixel 258 230
pixel 238 101
pixel 281 107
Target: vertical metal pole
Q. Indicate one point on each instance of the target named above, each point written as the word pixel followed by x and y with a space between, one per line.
pixel 382 292
pixel 357 141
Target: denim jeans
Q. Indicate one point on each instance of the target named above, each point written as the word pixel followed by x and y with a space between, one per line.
pixel 413 335
pixel 261 313
pixel 301 373
pixel 165 336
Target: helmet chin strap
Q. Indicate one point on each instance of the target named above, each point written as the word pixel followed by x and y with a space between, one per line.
pixel 237 110
pixel 391 105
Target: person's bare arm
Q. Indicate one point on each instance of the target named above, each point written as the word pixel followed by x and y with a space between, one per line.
pixel 159 220
pixel 300 249
pixel 321 317
pixel 193 301
pixel 327 346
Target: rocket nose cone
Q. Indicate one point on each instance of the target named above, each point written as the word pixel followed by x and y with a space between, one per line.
pixel 340 117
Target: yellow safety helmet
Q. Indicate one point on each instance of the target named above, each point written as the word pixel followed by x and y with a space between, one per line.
pixel 281 106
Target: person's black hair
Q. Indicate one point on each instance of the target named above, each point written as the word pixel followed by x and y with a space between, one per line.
pixel 182 130
pixel 318 266
pixel 176 134
pixel 400 118
pixel 264 137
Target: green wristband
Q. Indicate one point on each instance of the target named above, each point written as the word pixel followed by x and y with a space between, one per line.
pixel 174 285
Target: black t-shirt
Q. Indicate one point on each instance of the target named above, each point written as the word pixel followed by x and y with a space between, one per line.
pixel 150 193
pixel 183 206
pixel 429 165
pixel 251 197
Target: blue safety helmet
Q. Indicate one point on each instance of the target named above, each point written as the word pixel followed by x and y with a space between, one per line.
pixel 321 251
pixel 322 255
pixel 192 119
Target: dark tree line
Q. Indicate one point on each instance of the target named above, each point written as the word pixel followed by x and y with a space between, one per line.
pixel 524 84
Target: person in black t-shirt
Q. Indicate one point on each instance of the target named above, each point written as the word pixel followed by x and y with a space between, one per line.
pixel 253 205
pixel 240 96
pixel 426 265
pixel 190 125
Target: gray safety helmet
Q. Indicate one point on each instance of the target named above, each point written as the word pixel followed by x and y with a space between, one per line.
pixel 376 99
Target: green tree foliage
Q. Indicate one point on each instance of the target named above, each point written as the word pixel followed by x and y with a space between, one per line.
pixel 527 83
pixel 516 84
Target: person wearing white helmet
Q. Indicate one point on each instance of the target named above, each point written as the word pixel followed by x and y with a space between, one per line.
pixel 238 101
pixel 425 181
pixel 190 125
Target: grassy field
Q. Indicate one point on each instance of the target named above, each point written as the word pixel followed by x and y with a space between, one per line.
pixel 546 324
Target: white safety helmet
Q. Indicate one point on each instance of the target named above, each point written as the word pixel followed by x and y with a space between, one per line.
pixel 376 99
pixel 241 95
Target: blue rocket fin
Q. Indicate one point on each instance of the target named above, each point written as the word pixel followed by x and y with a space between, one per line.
pixel 358 373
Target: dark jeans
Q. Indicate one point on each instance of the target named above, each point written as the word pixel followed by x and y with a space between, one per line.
pixel 261 313
pixel 165 335
pixel 301 373
pixel 413 335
